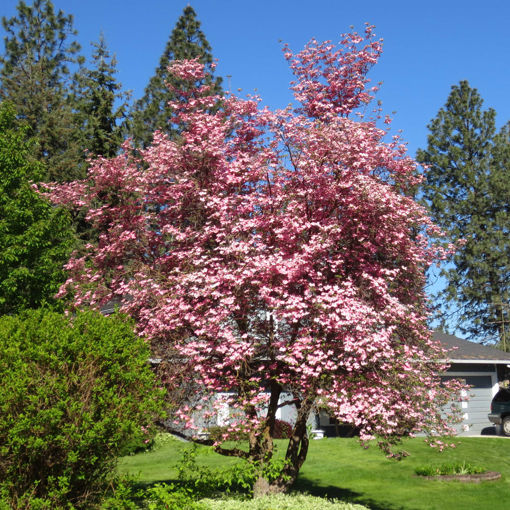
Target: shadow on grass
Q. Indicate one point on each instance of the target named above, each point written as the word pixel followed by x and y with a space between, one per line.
pixel 330 491
pixel 149 485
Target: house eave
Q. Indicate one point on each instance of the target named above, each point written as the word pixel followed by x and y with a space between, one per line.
pixel 478 361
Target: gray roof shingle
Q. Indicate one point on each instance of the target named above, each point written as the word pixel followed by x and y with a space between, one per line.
pixel 470 351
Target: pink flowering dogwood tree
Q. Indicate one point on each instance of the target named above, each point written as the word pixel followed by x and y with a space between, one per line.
pixel 273 257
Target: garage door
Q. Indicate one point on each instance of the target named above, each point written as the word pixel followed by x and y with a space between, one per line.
pixel 475 410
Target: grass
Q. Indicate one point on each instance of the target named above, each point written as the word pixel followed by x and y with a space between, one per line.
pixel 340 468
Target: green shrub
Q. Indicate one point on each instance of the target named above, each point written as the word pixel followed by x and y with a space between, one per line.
pixel 140 444
pixel 169 497
pixel 455 468
pixel 122 496
pixel 280 502
pixel 74 391
pixel 202 481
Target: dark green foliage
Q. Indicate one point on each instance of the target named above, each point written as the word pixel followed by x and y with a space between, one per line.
pixel 36 76
pixel 35 237
pixel 467 189
pixel 187 41
pixel 140 443
pixel 101 103
pixel 162 496
pixel 74 391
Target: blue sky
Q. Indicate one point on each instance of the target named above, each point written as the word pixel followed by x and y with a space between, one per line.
pixel 428 45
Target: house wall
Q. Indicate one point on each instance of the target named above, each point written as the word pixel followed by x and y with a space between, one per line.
pixel 483 379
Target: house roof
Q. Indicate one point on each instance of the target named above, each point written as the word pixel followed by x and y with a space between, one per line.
pixel 470 352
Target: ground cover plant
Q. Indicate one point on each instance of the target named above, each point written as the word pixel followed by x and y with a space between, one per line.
pixel 275 258
pixel 74 391
pixel 281 502
pixel 454 468
pixel 339 468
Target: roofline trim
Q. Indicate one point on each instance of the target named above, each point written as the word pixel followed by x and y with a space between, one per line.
pixel 481 361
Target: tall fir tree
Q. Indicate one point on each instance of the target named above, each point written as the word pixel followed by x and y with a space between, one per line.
pixel 467 190
pixel 103 104
pixel 36 76
pixel 187 41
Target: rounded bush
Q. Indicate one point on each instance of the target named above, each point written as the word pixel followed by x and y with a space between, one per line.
pixel 75 390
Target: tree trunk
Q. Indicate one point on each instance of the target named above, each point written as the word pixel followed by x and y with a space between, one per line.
pixel 262 488
pixel 295 456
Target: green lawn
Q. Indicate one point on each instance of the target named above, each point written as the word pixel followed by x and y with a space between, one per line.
pixel 340 468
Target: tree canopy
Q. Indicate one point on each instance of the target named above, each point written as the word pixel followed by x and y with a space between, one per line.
pixel 467 190
pixel 274 258
pixel 101 103
pixel 36 76
pixel 150 113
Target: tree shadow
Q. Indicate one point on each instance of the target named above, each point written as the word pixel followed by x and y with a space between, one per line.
pixel 301 485
pixel 347 495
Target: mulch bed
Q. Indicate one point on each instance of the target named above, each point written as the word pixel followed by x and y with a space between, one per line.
pixel 480 477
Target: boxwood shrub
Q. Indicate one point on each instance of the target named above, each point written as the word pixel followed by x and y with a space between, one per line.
pixel 74 391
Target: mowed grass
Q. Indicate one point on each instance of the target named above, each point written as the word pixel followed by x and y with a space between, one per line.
pixel 340 468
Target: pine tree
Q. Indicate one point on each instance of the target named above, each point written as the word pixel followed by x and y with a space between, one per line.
pixel 36 76
pixel 102 103
pixel 187 41
pixel 467 190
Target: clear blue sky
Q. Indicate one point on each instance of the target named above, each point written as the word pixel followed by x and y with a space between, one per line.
pixel 428 46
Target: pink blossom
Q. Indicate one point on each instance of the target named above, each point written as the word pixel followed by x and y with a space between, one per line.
pixel 274 251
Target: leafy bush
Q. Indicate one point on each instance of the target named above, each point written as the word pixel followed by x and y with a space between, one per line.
pixel 203 481
pixel 122 495
pixel 281 502
pixel 74 391
pixel 169 497
pixel 139 444
pixel 455 468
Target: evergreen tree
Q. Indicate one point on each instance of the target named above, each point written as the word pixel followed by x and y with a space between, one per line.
pixel 35 237
pixel 103 105
pixel 187 41
pixel 36 76
pixel 467 190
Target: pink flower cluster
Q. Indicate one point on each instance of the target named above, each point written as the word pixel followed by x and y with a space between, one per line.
pixel 273 249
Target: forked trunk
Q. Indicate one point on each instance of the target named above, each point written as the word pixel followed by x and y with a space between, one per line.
pixel 295 456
